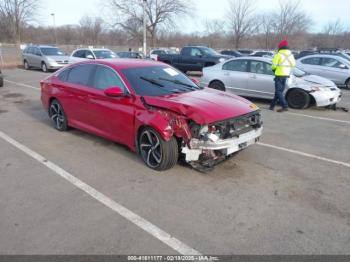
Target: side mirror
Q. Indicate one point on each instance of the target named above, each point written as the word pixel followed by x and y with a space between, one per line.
pixel 114 92
pixel 195 81
pixel 89 57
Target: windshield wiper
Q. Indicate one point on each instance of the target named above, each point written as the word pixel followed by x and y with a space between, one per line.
pixel 178 82
pixel 152 81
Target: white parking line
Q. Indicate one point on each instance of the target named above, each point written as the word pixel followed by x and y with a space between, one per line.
pixel 20 84
pixel 306 154
pixel 121 210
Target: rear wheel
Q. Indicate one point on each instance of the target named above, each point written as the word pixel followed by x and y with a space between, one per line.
pixel 298 99
pixel 157 153
pixel 26 65
pixel 58 116
pixel 218 85
pixel 1 81
pixel 347 84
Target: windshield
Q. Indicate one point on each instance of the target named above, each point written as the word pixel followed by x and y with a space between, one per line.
pixel 158 81
pixel 345 56
pixel 298 72
pixel 104 54
pixel 209 51
pixel 51 51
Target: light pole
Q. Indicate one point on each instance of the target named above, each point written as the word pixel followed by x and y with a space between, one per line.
pixel 144 29
pixel 54 26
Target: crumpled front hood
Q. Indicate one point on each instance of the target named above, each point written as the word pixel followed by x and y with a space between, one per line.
pixel 204 106
pixel 318 80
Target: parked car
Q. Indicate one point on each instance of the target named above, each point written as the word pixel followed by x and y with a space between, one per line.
pixel 43 57
pixel 193 58
pixel 325 51
pixel 305 53
pixel 335 68
pixel 233 53
pixel 136 55
pixel 245 51
pixel 84 54
pixel 253 77
pixel 153 109
pixel 1 79
pixel 262 54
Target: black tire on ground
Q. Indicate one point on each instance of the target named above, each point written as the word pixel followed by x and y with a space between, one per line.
pixel 44 67
pixel 347 84
pixel 298 99
pixel 57 115
pixel 26 65
pixel 1 82
pixel 218 85
pixel 155 152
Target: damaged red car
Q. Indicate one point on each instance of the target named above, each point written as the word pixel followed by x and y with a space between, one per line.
pixel 153 109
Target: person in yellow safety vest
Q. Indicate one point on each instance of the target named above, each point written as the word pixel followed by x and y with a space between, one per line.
pixel 283 64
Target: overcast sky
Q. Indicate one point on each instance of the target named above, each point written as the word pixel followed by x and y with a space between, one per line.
pixel 321 11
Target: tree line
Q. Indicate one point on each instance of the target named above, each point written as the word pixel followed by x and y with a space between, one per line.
pixel 242 26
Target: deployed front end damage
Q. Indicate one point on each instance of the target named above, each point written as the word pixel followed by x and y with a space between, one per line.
pixel 213 143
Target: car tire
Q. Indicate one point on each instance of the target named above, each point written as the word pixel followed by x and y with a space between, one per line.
pixel 155 152
pixel 347 84
pixel 218 85
pixel 44 67
pixel 26 65
pixel 298 99
pixel 1 82
pixel 58 116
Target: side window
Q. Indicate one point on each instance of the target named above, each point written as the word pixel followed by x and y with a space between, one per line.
pixel 330 62
pixel 236 65
pixel 30 50
pixel 186 51
pixel 37 51
pixel 311 61
pixel 80 75
pixel 79 53
pixel 257 67
pixel 195 52
pixel 63 75
pixel 106 77
pixel 268 69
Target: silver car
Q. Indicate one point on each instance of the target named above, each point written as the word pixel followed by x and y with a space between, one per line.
pixel 84 54
pixel 253 77
pixel 44 57
pixel 332 67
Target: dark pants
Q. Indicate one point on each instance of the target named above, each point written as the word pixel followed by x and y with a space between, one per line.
pixel 280 85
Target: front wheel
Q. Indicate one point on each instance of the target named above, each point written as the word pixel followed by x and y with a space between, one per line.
pixel 298 99
pixel 157 153
pixel 26 65
pixel 44 67
pixel 218 85
pixel 347 84
pixel 58 116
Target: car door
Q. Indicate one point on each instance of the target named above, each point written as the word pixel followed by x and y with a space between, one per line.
pixel 192 59
pixel 311 65
pixel 76 90
pixel 260 81
pixel 113 117
pixel 235 76
pixel 334 70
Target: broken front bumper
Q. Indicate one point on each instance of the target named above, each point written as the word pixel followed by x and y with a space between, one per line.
pixel 326 98
pixel 227 146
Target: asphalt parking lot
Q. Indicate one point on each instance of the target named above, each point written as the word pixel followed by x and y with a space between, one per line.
pixel 287 195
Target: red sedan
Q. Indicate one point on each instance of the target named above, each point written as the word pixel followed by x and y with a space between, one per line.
pixel 153 109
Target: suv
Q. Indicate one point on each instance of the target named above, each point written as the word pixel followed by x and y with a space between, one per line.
pixel 1 79
pixel 83 54
pixel 44 57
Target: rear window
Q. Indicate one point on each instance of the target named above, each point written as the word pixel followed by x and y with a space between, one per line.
pixel 158 81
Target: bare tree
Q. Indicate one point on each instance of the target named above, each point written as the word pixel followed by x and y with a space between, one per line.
pixel 291 19
pixel 16 13
pixel 159 13
pixel 266 27
pixel 91 28
pixel 214 31
pixel 334 28
pixel 240 19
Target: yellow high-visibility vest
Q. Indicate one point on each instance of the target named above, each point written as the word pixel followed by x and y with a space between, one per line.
pixel 283 63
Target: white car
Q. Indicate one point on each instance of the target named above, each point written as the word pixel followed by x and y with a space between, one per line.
pixel 253 77
pixel 83 54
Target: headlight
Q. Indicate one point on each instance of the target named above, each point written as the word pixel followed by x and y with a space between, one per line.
pixel 222 60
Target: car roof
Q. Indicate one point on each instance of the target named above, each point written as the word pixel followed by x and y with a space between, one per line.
pixel 41 46
pixel 124 63
pixel 93 49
